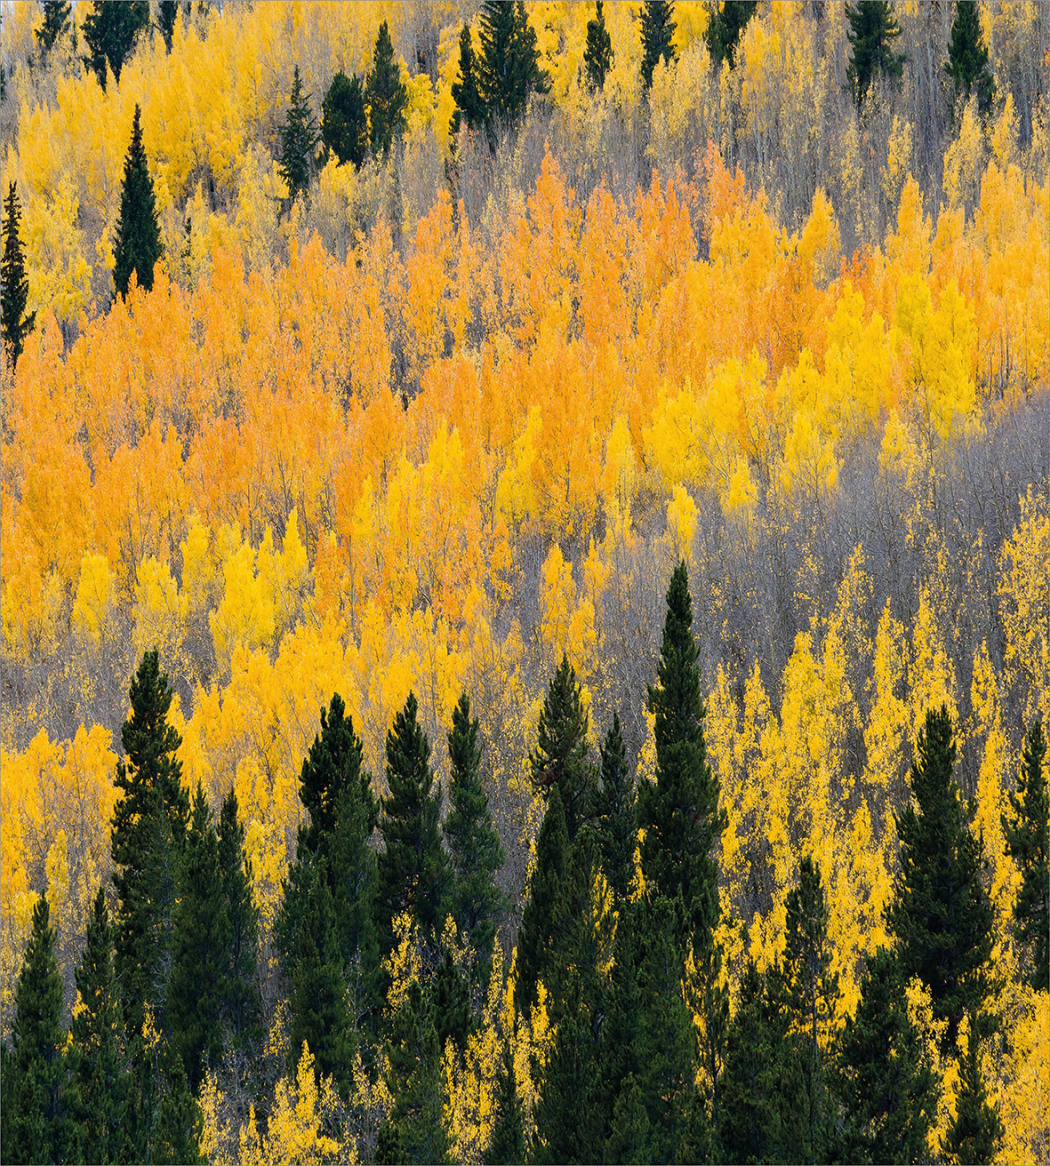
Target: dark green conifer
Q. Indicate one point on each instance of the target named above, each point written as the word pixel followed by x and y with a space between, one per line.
pixel 35 1111
pixel 872 30
pixel 725 26
pixel 416 1080
pixel 111 29
pixel 149 827
pixel 941 913
pixel 344 120
pixel 390 1148
pixel 137 247
pixel 299 138
pixel 14 292
pixel 658 28
pixel 452 1016
pixel 56 23
pixel 385 95
pixel 507 1145
pixel 885 1082
pixel 629 1136
pixel 967 63
pixel 167 10
pixel 617 832
pixel 241 1004
pixel 475 851
pixel 508 63
pixel 470 108
pixel 976 1132
pixel 598 52
pixel 179 1125
pixel 1027 834
pixel 98 1084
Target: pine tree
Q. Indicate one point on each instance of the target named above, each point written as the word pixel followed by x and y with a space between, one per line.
pixel 470 108
pixel 872 31
pixel 179 1125
pixel 241 1005
pixel 344 120
pixel 413 868
pixel 390 1147
pixel 598 53
pixel 507 1144
pixel 658 28
pixel 725 27
pixel 385 95
pixel 941 914
pixel 1027 835
pixel 508 64
pixel 197 985
pixel 560 757
pixel 137 247
pixel 299 138
pixel 629 1137
pixel 167 10
pixel 14 294
pixel 98 1093
pixel 36 1120
pixel 967 63
pixel 452 1017
pixel 111 29
pixel 149 826
pixel 976 1132
pixel 416 1080
pixel 614 804
pixel 475 851
pixel 56 23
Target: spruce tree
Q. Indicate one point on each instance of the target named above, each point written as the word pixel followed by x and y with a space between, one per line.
pixel 507 1144
pixel 14 294
pixel 451 993
pixel 872 31
pixel 1027 835
pixel 976 1132
pixel 197 986
pixel 390 1147
pixel 629 1136
pixel 941 914
pixel 416 1080
pixel 413 868
pixel 167 10
pixel 614 804
pixel 36 1119
pixel 299 138
pixel 137 247
pixel 598 52
pixel 470 108
pixel 111 29
pixel 56 23
pixel 560 757
pixel 508 63
pixel 179 1124
pixel 967 63
pixel 241 1004
pixel 885 1082
pixel 658 28
pixel 149 826
pixel 385 95
pixel 344 120
pixel 725 26
pixel 475 851
pixel 98 1092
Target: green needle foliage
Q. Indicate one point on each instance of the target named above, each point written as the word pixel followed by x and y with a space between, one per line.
pixel 344 120
pixel 598 52
pixel 137 247
pixel 658 28
pixel 615 804
pixel 241 1006
pixel 976 1132
pixel 507 1146
pixel 872 31
pixel 385 95
pixel 967 63
pixel 56 23
pixel 299 138
pixel 15 324
pixel 508 63
pixel 470 107
pixel 725 27
pixel 1027 832
pixel 111 30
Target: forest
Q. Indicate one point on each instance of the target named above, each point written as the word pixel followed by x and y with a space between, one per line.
pixel 524 581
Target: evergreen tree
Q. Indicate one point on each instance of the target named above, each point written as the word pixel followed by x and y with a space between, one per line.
pixel 149 826
pixel 332 766
pixel 344 120
pixel 885 1082
pixel 111 29
pixel 299 138
pixel 166 13
pixel 658 29
pixel 872 31
pixel 385 95
pixel 197 985
pixel 508 65
pixel 98 1085
pixel 241 1005
pixel 55 24
pixel 475 851
pixel 725 26
pixel 1027 835
pixel 14 294
pixel 179 1124
pixel 416 1080
pixel 967 63
pixel 452 1016
pixel 137 247
pixel 560 756
pixel 598 53
pixel 941 913
pixel 976 1132
pixel 507 1145
pixel 618 833
pixel 470 108
pixel 413 868
pixel 35 1112
pixel 629 1137
pixel 390 1148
